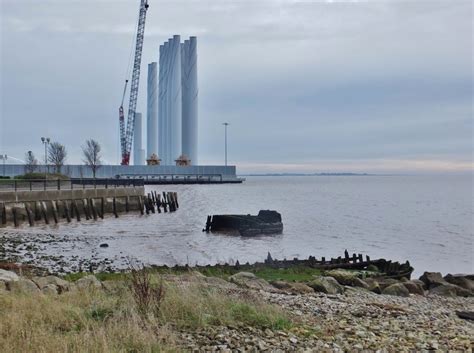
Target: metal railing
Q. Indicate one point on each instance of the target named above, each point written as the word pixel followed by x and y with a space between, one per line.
pixel 69 184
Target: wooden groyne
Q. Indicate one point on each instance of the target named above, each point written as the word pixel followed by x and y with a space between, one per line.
pixel 52 206
pixel 386 268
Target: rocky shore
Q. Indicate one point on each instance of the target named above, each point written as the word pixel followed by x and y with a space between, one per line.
pixel 335 312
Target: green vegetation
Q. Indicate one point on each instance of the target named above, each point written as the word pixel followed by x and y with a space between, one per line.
pixel 96 320
pixel 293 274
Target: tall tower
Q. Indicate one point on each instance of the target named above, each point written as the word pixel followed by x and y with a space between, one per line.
pixel 170 113
pixel 152 110
pixel 189 99
pixel 137 140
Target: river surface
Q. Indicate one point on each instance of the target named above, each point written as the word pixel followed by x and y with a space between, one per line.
pixel 427 220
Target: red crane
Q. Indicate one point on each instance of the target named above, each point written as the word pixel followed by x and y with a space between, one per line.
pixel 126 132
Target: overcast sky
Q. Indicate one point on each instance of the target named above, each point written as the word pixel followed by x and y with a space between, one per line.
pixel 307 86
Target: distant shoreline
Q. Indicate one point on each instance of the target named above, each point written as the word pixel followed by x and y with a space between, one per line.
pixel 309 174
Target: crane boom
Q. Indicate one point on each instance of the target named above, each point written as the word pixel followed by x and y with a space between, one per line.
pixel 126 137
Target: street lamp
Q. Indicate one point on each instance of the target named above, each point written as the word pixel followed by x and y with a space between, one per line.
pixel 3 157
pixel 225 129
pixel 45 141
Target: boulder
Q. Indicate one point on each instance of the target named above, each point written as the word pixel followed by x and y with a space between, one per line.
pixel 344 277
pixel 397 289
pixel 432 279
pixel 374 286
pixel 450 290
pixel 386 282
pixel 62 285
pixel 461 281
pixel 87 282
pixel 360 283
pixel 23 285
pixel 414 288
pixel 326 285
pixel 49 289
pixel 249 280
pixel 8 276
pixel 293 288
pixel 419 282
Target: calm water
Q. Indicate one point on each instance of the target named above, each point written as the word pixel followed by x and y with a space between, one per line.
pixel 426 220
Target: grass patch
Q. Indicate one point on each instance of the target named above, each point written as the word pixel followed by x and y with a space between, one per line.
pixel 292 274
pixel 111 321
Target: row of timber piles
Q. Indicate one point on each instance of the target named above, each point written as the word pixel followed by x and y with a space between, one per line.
pixel 154 202
pixel 55 211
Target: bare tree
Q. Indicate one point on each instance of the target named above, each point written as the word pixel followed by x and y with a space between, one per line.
pixel 31 163
pixel 92 155
pixel 57 155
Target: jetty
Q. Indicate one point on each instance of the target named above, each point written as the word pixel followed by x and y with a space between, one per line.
pixel 50 201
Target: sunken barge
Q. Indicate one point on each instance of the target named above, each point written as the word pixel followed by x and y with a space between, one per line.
pixel 266 222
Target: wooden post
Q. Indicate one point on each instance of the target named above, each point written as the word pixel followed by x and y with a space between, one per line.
pixel 127 204
pixel 158 202
pixel 15 218
pixel 37 212
pixel 30 215
pixel 86 209
pixel 55 211
pixel 114 204
pixel 3 213
pixel 361 259
pixel 44 212
pixel 208 223
pixel 140 204
pixel 76 210
pixel 66 211
pixel 354 258
pixel 92 207
pixel 102 207
pixel 152 205
pixel 176 199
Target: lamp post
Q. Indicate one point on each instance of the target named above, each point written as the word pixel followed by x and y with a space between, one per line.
pixel 45 141
pixel 4 157
pixel 225 134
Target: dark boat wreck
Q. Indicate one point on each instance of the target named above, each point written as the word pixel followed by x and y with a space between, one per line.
pixel 266 222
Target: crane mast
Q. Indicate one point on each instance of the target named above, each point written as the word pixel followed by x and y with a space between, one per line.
pixel 126 134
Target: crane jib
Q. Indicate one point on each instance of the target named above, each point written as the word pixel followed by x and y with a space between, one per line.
pixel 127 138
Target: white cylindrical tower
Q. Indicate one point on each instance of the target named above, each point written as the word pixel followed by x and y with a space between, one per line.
pixel 152 110
pixel 175 97
pixel 189 99
pixel 137 139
